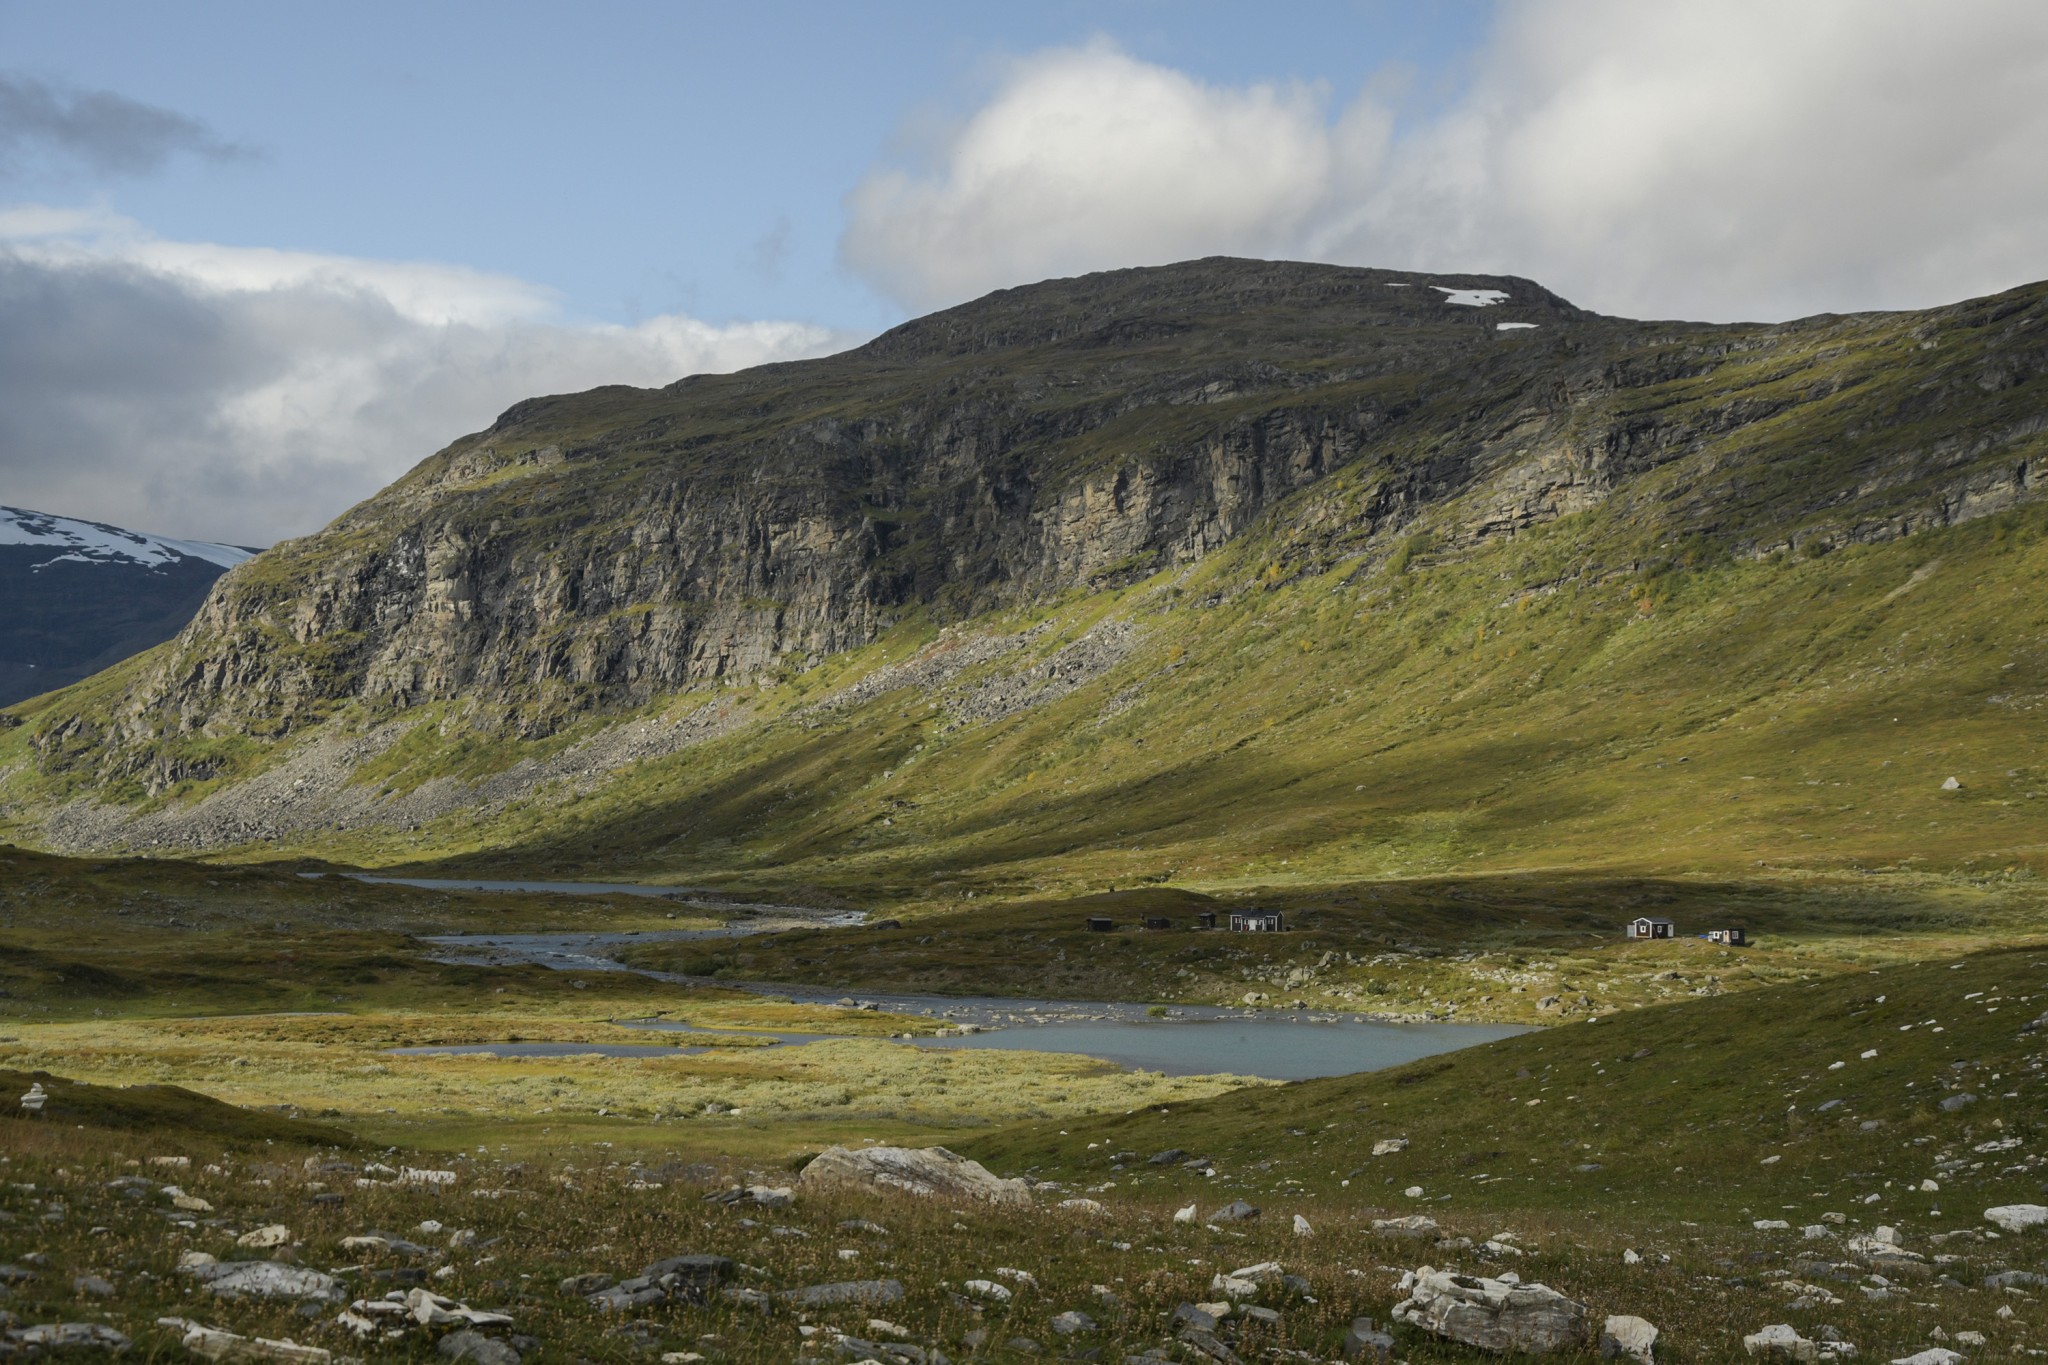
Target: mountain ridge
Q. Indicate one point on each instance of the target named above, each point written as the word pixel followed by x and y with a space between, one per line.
pixel 711 561
pixel 84 595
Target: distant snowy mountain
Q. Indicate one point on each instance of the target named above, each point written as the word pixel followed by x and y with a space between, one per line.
pixel 76 596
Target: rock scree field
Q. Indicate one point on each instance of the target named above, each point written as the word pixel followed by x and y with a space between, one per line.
pixel 1001 657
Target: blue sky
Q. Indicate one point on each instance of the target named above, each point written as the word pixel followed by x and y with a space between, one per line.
pixel 257 260
pixel 637 158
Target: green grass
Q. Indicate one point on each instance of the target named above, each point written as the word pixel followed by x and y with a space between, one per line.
pixel 1710 1110
pixel 1701 1117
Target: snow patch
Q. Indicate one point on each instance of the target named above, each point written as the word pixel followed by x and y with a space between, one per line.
pixel 1514 326
pixel 91 542
pixel 1471 298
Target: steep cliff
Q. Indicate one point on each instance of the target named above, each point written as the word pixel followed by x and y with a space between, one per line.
pixel 596 555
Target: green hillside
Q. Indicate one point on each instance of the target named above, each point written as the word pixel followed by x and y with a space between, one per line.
pixel 1646 599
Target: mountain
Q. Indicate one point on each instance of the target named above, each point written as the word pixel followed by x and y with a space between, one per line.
pixel 81 596
pixel 1219 571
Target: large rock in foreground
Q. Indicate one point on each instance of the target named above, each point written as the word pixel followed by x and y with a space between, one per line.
pixel 1494 1315
pixel 930 1171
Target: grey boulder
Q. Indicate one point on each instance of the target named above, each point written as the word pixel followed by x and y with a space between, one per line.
pixel 928 1171
pixel 1494 1315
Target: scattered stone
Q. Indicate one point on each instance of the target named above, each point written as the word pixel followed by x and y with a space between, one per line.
pixel 929 1171
pixel 1073 1324
pixel 1186 1215
pixel 872 1293
pixel 1195 1315
pixel 583 1286
pixel 1493 1314
pixel 94 1285
pixel 1237 1211
pixel 1933 1355
pixel 1955 1102
pixel 2017 1217
pixel 264 1238
pixel 468 1345
pixel 1628 1338
pixel 1387 1147
pixel 1780 1342
pixel 2016 1279
pixel 1082 1206
pixel 990 1290
pixel 215 1343
pixel 1365 1341
pixel 69 1336
pixel 1302 1228
pixel 264 1280
pixel 1419 1226
pixel 1171 1156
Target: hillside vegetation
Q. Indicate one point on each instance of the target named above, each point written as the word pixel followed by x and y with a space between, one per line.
pixel 1394 594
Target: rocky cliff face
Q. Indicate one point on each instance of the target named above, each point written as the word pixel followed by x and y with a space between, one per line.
pixel 597 550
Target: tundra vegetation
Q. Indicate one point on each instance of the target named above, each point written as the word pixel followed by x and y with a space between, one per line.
pixel 1144 595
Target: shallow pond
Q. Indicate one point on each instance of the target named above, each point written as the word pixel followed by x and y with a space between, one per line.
pixel 1187 1040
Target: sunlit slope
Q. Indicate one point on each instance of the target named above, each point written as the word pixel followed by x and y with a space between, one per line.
pixel 1597 594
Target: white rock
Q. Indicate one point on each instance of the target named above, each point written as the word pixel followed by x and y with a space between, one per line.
pixel 2017 1217
pixel 1493 1314
pixel 1186 1215
pixel 265 1280
pixel 1231 1287
pixel 1016 1276
pixel 275 1235
pixel 1814 1232
pixel 1302 1228
pixel 929 1171
pixel 1771 1225
pixel 1933 1355
pixel 430 1227
pixel 1780 1342
pixel 1389 1146
pixel 1082 1206
pixel 1951 785
pixel 990 1290
pixel 1628 1338
pixel 215 1344
pixel 1929 1187
pixel 1413 1192
pixel 1631 1257
pixel 412 1175
pixel 1416 1225
pixel 1888 1235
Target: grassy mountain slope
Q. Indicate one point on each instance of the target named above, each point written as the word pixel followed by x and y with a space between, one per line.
pixel 1646 598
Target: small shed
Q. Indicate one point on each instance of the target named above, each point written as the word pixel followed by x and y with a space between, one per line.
pixel 1256 921
pixel 1158 922
pixel 1100 924
pixel 1733 938
pixel 1647 927
pixel 1205 919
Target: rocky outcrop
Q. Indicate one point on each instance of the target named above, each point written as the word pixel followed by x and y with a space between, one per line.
pixel 932 1172
pixel 594 553
pixel 1495 1315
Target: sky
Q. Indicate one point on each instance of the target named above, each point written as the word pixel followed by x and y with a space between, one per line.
pixel 257 260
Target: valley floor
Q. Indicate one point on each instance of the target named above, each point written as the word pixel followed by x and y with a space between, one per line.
pixel 1874 1093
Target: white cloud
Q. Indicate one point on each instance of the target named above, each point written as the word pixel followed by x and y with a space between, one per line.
pixel 242 394
pixel 1742 159
pixel 1087 158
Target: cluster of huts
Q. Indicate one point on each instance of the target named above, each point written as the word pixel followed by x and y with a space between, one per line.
pixel 1240 921
pixel 1648 927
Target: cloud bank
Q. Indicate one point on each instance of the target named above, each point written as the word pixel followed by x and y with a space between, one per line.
pixel 244 395
pixel 1738 160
